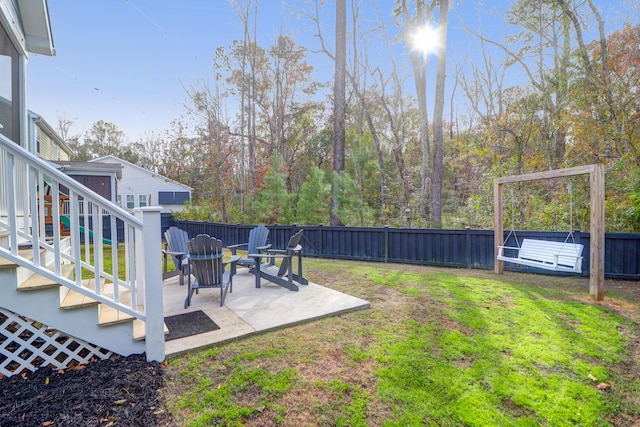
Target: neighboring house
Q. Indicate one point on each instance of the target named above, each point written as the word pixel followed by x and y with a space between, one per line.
pixel 140 187
pixel 44 140
pixel 101 177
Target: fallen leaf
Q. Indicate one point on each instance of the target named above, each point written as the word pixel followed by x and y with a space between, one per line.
pixel 47 423
pixel 603 386
pixel 110 424
pixel 120 402
pixel 158 412
pixel 61 371
pixel 592 378
pixel 24 376
pixel 46 381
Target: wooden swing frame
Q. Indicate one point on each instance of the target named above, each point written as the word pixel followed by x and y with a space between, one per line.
pixel 596 222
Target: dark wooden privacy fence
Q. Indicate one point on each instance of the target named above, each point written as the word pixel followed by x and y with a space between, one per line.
pixel 447 248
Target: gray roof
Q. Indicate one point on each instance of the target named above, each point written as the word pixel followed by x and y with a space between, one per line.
pixel 89 168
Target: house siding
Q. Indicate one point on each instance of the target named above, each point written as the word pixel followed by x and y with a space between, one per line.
pixel 47 149
pixel 138 183
pixel 101 184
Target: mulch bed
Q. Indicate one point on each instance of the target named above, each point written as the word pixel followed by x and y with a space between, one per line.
pixel 123 391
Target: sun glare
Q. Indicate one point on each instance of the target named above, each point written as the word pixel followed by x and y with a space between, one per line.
pixel 425 39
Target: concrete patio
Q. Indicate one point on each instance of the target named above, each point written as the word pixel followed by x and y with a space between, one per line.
pixel 249 310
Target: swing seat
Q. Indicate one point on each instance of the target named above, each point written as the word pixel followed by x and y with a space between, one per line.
pixel 545 254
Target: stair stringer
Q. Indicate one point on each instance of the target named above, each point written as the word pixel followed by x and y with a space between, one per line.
pixel 44 306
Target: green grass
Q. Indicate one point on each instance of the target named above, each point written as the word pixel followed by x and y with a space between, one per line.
pixel 107 259
pixel 437 347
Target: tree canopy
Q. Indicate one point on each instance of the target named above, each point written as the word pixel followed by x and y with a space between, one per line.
pixel 257 141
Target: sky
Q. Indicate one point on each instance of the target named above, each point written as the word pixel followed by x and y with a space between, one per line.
pixel 129 61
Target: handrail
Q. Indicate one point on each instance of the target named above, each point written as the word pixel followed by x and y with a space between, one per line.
pixel 69 182
pixel 22 214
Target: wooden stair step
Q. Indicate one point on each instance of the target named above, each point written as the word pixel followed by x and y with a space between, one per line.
pixel 37 282
pixel 24 253
pixel 75 299
pixel 140 330
pixel 112 316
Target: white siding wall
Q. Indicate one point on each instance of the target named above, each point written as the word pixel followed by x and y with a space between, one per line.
pixel 138 182
pixel 47 148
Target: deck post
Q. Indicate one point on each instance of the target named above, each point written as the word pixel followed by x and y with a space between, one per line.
pixel 150 260
pixel 498 224
pixel 597 231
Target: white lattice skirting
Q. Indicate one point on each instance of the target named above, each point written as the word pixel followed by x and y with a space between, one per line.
pixel 28 345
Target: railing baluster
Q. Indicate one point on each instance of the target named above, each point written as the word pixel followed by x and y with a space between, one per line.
pixel 11 201
pixel 114 258
pixel 55 220
pixel 85 216
pixel 74 231
pixel 32 214
pixel 131 235
pixel 97 245
pixel 41 206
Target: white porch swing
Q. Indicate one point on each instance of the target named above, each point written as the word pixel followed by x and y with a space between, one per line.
pixel 548 255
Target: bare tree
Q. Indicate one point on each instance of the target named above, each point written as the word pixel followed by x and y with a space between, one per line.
pixel 339 104
pixel 438 130
pixel 150 148
pixel 410 23
pixel 359 90
pixel 247 81
pixel 65 130
pixel 213 152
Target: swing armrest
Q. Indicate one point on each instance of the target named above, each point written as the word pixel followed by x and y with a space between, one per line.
pixel 502 248
pixel 501 256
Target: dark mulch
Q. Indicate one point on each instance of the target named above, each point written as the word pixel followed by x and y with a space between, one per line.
pixel 123 391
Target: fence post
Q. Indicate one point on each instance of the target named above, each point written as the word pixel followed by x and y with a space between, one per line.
pixel 577 236
pixel 386 243
pixel 467 240
pixel 320 245
pixel 150 261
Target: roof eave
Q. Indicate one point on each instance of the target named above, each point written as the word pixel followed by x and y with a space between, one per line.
pixel 37 26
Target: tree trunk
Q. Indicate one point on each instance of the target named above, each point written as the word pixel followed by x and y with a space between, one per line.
pixel 438 133
pixel 420 79
pixel 338 105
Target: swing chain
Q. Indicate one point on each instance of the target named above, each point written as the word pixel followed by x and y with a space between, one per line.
pixel 570 190
pixel 513 220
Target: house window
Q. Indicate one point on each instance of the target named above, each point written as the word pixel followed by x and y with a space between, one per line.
pixel 173 197
pixel 131 201
pixel 119 199
pixel 142 200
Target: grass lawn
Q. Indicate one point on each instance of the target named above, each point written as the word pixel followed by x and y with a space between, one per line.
pixel 439 347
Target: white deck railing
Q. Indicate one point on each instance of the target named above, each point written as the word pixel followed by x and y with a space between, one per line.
pixel 31 191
